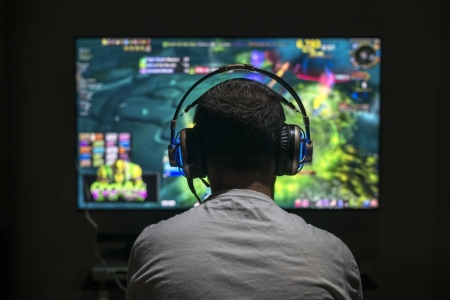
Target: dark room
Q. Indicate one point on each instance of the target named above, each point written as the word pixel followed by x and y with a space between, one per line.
pixel 59 60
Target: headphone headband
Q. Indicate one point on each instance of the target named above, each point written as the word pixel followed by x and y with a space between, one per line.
pixel 186 153
pixel 241 67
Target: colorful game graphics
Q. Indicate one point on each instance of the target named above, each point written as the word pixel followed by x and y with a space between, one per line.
pixel 119 180
pixel 128 88
pixel 97 149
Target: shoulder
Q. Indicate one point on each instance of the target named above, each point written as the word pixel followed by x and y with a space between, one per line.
pixel 332 254
pixel 339 261
pixel 156 235
pixel 314 233
pixel 319 243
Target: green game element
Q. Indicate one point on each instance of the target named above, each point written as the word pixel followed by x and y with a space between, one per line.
pixel 338 170
pixel 143 63
pixel 115 190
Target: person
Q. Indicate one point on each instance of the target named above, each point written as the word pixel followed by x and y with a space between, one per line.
pixel 238 244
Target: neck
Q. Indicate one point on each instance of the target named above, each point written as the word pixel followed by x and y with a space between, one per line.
pixel 230 179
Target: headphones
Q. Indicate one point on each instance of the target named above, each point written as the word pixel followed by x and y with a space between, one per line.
pixel 296 147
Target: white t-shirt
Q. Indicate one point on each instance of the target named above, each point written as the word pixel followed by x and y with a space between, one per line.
pixel 240 245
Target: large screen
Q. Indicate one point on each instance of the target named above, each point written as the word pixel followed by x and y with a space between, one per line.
pixel 127 90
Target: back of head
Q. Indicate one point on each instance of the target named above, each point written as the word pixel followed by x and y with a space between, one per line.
pixel 239 122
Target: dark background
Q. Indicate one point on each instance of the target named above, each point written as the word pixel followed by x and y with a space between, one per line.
pixel 46 245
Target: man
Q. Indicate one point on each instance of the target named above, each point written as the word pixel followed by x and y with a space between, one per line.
pixel 239 244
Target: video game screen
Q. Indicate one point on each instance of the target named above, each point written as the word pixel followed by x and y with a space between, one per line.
pixel 128 88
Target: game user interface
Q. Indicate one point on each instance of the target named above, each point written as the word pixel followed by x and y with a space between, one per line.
pixel 127 90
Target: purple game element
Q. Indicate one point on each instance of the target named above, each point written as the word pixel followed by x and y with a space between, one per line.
pixel 257 58
pixel 305 203
pixel 143 194
pixel 124 156
pixel 94 194
pixel 124 136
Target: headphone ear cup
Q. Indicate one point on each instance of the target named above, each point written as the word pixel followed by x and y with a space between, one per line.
pixel 283 151
pixel 289 153
pixel 195 158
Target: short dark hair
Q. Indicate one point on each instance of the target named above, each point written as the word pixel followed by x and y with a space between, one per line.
pixel 240 122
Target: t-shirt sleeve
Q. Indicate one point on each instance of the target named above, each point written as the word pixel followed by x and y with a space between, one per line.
pixel 138 273
pixel 352 276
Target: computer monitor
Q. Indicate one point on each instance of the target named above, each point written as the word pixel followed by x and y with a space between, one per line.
pixel 127 89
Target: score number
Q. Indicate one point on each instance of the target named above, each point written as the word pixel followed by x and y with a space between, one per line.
pixel 314 47
pixel 308 44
